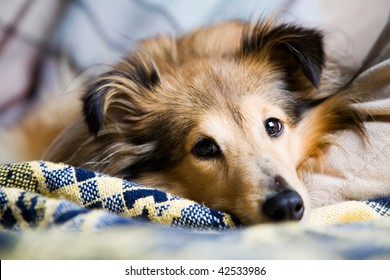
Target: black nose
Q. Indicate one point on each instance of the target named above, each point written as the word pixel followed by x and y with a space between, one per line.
pixel 284 206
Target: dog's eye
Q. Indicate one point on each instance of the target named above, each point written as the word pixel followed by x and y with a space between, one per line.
pixel 206 148
pixel 274 127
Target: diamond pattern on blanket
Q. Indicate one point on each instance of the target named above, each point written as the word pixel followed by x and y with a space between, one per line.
pixel 114 203
pixel 58 178
pixel 89 192
pixel 72 198
pixel 196 216
pixel 83 175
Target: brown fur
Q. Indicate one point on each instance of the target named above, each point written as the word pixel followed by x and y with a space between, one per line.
pixel 143 118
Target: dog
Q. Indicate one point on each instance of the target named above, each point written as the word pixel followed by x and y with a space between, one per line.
pixel 231 115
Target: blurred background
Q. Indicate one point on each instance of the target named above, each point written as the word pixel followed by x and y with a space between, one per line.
pixel 45 44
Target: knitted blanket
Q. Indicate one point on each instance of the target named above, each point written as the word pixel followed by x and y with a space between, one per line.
pixel 41 194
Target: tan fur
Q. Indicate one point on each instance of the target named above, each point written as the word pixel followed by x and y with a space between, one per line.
pixel 208 88
pixel 32 135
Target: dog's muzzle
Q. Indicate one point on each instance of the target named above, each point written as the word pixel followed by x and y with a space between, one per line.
pixel 286 205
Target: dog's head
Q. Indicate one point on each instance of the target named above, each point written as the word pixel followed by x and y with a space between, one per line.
pixel 226 116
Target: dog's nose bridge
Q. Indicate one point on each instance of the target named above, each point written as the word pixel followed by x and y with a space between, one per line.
pixel 273 183
pixel 265 171
pixel 280 182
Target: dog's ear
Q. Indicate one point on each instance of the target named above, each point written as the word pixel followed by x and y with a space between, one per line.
pixel 297 50
pixel 114 94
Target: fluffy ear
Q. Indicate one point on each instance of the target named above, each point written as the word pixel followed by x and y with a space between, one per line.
pixel 114 94
pixel 295 49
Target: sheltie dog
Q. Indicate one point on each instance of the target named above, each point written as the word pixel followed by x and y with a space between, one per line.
pixel 231 115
